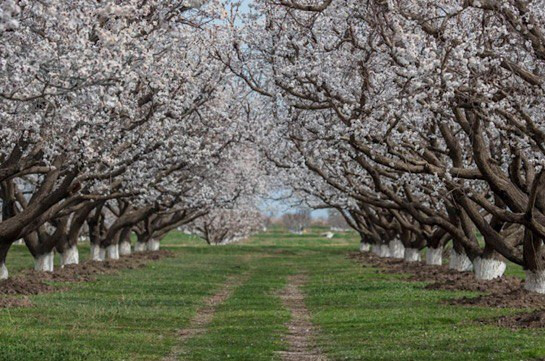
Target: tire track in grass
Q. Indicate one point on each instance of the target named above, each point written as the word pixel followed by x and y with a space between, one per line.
pixel 204 316
pixel 301 332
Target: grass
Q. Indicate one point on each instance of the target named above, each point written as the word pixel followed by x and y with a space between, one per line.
pixel 361 314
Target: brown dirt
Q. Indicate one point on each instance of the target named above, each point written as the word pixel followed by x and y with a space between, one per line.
pixel 205 315
pixel 534 319
pixel 301 331
pixel 30 282
pixel 519 298
pixel 440 277
pixel 506 292
pixel 11 302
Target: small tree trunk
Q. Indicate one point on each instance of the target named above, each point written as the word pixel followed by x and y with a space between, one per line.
pixel 489 266
pixel 381 250
pixel 4 248
pixel 140 247
pixel 125 248
pixel 460 261
pixel 97 253
pixel 153 245
pixel 412 255
pixel 397 250
pixel 434 256
pixel 365 247
pixel 44 262
pixel 70 256
pixel 112 252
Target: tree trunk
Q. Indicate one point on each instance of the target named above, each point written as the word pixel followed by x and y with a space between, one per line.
pixel 459 261
pixel 44 262
pixel 153 245
pixel 4 248
pixel 97 253
pixel 434 256
pixel 70 256
pixel 412 255
pixel 125 242
pixel 397 250
pixel 489 266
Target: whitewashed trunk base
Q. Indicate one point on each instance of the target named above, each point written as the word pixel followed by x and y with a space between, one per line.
pixel 535 281
pixel 488 269
pixel 397 250
pixel 125 249
pixel 70 256
pixel 412 255
pixel 112 252
pixel 97 253
pixel 3 272
pixel 140 247
pixel 460 262
pixel 434 256
pixel 44 262
pixel 381 250
pixel 153 245
pixel 365 247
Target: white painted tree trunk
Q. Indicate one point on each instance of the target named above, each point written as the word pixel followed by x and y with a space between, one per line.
pixel 153 245
pixel 140 247
pixel 365 247
pixel 434 256
pixel 535 281
pixel 97 253
pixel 70 256
pixel 488 269
pixel 3 272
pixel 44 262
pixel 412 255
pixel 381 250
pixel 112 252
pixel 459 262
pixel 125 249
pixel 397 250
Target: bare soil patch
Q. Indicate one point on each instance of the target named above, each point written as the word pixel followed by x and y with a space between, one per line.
pixel 205 315
pixel 506 292
pixel 440 277
pixel 301 332
pixel 30 282
pixel 535 319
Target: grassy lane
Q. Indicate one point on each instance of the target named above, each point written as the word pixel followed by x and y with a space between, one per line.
pixel 250 324
pixel 359 314
pixel 130 316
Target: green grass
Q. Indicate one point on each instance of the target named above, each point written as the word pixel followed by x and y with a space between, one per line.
pixel 361 314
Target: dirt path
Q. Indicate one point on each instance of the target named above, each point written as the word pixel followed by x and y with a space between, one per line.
pixel 205 315
pixel 300 329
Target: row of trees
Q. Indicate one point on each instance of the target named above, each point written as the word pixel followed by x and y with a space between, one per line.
pixel 117 118
pixel 421 121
